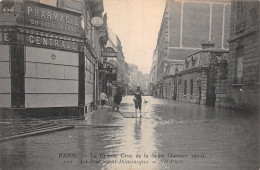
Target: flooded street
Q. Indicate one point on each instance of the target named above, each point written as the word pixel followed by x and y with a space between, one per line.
pixel 170 135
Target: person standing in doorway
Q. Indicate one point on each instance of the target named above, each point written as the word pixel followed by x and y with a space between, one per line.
pixel 138 101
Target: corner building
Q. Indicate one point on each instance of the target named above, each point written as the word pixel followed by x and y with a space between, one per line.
pixel 244 59
pixel 43 61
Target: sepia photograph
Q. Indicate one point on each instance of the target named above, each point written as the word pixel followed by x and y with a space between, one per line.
pixel 129 84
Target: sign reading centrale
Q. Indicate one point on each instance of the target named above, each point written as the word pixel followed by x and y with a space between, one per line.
pixel 109 52
pixel 51 42
pixel 52 19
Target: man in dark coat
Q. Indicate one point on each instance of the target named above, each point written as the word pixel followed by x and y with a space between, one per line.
pixel 117 100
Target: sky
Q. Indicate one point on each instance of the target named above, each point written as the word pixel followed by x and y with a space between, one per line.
pixel 137 24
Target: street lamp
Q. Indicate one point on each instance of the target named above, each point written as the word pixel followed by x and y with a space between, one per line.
pixel 96 21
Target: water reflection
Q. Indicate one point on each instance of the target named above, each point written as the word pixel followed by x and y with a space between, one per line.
pixel 137 130
pixel 228 140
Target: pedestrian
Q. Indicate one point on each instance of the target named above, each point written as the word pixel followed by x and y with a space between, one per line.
pixel 138 101
pixel 103 98
pixel 117 100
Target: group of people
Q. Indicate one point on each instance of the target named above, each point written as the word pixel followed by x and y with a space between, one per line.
pixel 118 98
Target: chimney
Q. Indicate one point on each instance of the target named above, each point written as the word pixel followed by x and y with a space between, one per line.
pixel 206 45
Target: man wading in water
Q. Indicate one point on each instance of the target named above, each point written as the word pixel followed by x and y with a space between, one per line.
pixel 138 100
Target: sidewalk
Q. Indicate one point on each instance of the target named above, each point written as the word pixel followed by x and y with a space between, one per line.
pixel 104 116
pixel 12 129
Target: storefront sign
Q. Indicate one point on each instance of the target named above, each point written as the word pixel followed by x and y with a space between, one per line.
pixel 47 18
pixel 109 52
pixel 4 37
pixel 7 37
pixel 51 42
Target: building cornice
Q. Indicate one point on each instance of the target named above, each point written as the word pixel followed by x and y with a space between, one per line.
pixel 242 35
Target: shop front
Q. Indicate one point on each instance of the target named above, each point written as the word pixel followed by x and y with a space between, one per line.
pixel 42 62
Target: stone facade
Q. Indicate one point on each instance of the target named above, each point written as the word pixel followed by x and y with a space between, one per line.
pixel 203 76
pixel 193 86
pixel 53 62
pixel 243 76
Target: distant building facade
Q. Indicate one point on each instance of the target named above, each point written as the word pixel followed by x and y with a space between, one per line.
pixel 133 75
pixel 186 24
pixel 202 77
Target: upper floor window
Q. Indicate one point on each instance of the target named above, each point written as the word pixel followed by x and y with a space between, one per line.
pixel 191 86
pixel 239 10
pixel 185 87
pixel 239 62
pixel 240 16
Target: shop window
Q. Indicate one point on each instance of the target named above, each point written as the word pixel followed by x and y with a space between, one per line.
pixel 89 71
pixel 191 86
pixel 185 87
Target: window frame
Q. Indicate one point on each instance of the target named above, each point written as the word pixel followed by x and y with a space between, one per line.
pixel 239 55
pixel 191 87
pixel 185 87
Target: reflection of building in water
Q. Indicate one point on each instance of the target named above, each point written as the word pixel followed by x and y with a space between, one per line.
pixel 137 130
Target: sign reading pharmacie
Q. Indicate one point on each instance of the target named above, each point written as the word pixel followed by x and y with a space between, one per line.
pixel 53 19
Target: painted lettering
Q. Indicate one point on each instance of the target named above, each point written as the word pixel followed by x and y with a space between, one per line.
pixel 62 44
pixel 74 46
pixel 29 9
pixel 44 41
pixel 36 12
pixel 61 18
pixel 56 43
pixel 67 19
pixel 55 16
pixel 76 21
pixel 6 37
pixel 38 40
pixel 51 41
pixel 31 39
pixel 49 15
pixel 43 14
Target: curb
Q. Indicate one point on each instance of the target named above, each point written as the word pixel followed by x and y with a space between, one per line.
pixel 36 133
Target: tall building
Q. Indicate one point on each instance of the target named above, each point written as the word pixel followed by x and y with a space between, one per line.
pixel 186 24
pixel 133 76
pixel 244 56
pixel 153 74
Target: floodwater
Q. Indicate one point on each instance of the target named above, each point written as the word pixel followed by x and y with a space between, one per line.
pixel 170 135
